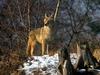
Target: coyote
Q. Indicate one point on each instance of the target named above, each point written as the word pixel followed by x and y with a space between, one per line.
pixel 39 35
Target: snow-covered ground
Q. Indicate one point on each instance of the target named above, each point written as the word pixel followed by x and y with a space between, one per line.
pixel 45 64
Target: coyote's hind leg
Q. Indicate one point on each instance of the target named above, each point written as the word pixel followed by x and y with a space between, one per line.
pixel 28 48
pixel 32 47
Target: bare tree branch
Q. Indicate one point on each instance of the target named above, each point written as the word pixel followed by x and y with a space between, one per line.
pixel 57 8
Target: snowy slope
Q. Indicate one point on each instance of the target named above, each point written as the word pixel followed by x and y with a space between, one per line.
pixel 44 64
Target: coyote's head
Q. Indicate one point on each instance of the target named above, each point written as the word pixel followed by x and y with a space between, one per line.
pixel 47 19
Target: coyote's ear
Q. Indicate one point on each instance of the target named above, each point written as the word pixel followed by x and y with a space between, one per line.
pixel 51 15
pixel 46 15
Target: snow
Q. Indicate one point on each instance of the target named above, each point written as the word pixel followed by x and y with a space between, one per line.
pixel 45 64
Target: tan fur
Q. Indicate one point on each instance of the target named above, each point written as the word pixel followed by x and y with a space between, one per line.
pixel 96 54
pixel 39 35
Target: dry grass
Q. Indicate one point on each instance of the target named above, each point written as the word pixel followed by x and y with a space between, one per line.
pixel 96 54
pixel 9 63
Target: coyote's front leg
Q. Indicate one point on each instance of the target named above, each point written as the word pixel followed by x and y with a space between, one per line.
pixel 43 47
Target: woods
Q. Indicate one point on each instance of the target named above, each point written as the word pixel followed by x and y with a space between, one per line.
pixel 74 21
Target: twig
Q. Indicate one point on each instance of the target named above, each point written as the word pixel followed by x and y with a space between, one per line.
pixel 20 13
pixel 55 15
pixel 29 17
